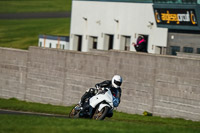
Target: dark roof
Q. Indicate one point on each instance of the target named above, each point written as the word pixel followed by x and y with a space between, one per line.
pixel 62 38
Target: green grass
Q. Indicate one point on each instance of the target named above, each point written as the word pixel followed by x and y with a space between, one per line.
pixel 119 123
pixel 35 124
pixel 24 33
pixel 15 104
pixel 16 6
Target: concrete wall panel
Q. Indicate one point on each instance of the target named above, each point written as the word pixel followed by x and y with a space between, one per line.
pixel 13 73
pixel 164 85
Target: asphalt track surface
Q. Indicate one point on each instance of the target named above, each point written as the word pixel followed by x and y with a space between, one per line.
pixel 35 15
pixel 11 112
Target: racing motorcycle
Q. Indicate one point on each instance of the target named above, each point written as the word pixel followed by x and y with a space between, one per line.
pixel 100 106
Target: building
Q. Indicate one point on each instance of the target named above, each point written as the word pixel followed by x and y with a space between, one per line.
pixel 181 17
pixel 49 41
pixel 115 24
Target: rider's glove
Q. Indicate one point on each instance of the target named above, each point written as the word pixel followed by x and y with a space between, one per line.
pixel 95 91
pixel 97 86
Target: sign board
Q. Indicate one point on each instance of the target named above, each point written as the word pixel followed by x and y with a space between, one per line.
pixel 182 17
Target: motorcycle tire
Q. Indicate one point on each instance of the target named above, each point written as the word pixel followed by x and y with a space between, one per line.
pixel 100 115
pixel 74 113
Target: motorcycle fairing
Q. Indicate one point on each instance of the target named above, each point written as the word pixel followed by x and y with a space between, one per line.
pixel 107 97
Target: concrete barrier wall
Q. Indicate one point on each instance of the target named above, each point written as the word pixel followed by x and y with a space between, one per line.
pixel 13 65
pixel 82 72
pixel 45 76
pixel 177 88
pixel 138 74
pixel 164 85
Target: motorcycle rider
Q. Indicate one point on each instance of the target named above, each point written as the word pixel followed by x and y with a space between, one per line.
pixel 113 85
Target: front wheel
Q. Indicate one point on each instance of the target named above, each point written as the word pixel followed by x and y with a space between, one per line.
pixel 100 115
pixel 74 113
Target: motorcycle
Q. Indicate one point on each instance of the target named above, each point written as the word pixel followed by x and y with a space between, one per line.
pixel 99 106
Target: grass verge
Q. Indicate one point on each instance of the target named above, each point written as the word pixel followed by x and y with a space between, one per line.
pixel 35 124
pixel 24 33
pixel 15 104
pixel 119 123
pixel 17 6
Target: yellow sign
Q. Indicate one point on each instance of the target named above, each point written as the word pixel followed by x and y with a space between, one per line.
pixel 185 17
pixel 169 17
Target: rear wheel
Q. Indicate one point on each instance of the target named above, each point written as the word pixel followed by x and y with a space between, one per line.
pixel 100 115
pixel 74 113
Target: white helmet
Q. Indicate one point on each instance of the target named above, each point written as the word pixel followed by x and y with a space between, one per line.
pixel 116 81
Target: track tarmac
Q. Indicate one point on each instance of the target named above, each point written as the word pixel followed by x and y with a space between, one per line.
pixel 12 112
pixel 35 15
